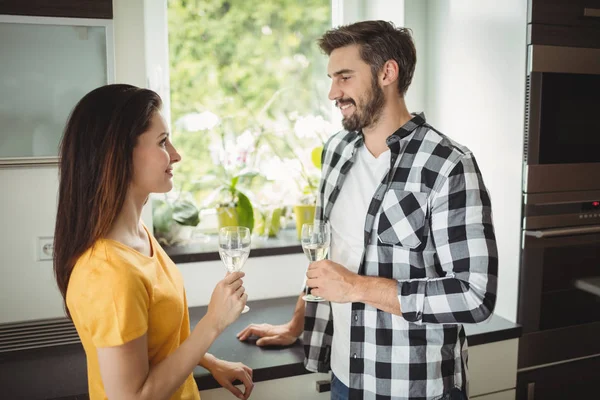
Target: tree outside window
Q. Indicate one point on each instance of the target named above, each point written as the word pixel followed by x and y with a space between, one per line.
pixel 249 102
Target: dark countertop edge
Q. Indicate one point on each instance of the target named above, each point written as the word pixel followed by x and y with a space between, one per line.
pixel 495 336
pixel 187 255
pixel 206 381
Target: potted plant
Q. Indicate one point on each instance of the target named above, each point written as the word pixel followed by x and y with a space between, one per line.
pixel 269 209
pixel 302 138
pixel 268 220
pixel 226 185
pixel 174 219
pixel 232 204
pixel 304 209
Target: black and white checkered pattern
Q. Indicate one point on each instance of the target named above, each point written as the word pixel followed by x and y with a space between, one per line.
pixel 429 226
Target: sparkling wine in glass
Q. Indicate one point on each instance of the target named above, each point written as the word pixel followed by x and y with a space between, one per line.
pixel 234 248
pixel 315 240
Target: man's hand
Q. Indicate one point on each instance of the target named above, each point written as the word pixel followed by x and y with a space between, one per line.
pixel 271 335
pixel 332 281
pixel 226 373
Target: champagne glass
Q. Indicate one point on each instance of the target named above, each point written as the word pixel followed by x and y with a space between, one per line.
pixel 234 248
pixel 315 240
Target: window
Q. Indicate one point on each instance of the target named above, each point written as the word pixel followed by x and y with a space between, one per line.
pixel 249 112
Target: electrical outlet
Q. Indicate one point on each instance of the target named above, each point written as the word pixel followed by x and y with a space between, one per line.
pixel 45 248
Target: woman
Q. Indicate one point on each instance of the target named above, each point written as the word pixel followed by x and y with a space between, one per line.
pixel 123 293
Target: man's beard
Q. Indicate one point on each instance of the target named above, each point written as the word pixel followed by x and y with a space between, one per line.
pixel 368 114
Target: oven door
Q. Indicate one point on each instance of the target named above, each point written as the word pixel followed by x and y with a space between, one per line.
pixel 559 304
pixel 562 143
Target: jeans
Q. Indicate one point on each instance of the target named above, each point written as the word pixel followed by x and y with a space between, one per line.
pixel 339 391
pixel 455 394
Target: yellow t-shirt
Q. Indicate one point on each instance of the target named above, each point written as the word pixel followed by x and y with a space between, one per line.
pixel 117 294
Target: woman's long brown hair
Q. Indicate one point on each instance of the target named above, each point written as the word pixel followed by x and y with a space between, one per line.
pixel 96 168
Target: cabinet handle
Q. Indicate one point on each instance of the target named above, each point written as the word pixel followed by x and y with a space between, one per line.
pixel 531 391
pixel 323 386
pixel 548 233
pixel 591 12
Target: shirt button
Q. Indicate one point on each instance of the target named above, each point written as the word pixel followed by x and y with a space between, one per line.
pixel 354 355
pixel 356 317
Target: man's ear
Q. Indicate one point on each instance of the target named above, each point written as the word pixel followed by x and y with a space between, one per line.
pixel 389 73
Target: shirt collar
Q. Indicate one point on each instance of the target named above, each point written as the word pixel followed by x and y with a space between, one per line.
pixel 409 127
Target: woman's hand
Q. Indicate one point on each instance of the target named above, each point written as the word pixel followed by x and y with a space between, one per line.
pixel 227 301
pixel 226 373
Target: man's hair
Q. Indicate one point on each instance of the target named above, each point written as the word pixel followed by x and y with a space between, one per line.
pixel 379 42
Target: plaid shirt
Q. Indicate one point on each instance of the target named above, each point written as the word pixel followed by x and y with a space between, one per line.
pixel 429 227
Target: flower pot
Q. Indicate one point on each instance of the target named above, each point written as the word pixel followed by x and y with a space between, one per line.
pixel 227 216
pixel 305 214
pixel 270 218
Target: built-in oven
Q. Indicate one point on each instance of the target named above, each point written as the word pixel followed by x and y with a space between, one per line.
pixel 562 121
pixel 559 290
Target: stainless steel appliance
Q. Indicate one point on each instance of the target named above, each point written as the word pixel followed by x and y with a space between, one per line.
pixel 562 121
pixel 559 305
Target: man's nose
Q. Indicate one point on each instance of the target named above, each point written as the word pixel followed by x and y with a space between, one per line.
pixel 334 92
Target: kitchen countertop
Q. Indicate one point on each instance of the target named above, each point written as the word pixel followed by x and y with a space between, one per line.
pixel 277 362
pixel 60 372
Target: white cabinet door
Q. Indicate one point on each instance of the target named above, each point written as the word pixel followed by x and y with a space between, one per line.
pixel 493 367
pixel 506 395
pixel 301 387
pixel 48 65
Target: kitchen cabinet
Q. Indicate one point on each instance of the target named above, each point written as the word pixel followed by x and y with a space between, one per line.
pixel 504 395
pixel 579 13
pixel 48 64
pixel 570 380
pixel 63 8
pixel 493 367
pixel 570 23
pixel 292 388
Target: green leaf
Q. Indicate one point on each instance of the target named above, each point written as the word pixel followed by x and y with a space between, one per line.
pixel 185 212
pixel 161 216
pixel 245 211
pixel 234 181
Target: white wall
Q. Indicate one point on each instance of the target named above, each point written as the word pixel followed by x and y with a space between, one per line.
pixel 346 11
pixel 415 18
pixel 130 46
pixel 156 32
pixel 131 53
pixel 27 211
pixel 475 85
pixel 266 277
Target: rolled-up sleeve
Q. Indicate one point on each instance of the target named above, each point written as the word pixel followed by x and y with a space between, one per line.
pixel 465 245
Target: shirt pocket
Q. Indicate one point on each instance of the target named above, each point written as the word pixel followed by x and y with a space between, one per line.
pixel 402 218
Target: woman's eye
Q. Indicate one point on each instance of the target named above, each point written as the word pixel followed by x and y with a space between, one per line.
pixel 163 142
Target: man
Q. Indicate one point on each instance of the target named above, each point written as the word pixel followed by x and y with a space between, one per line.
pixel 413 253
